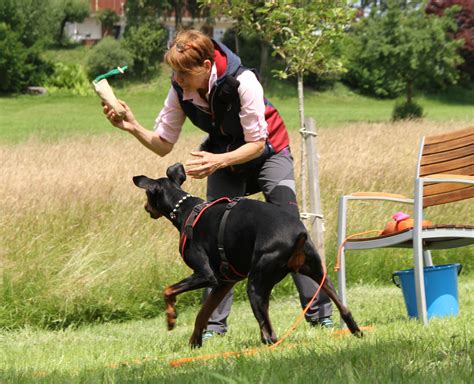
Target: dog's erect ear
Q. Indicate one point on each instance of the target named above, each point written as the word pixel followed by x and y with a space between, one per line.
pixel 176 173
pixel 143 182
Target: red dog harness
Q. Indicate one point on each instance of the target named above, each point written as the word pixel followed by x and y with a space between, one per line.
pixel 228 272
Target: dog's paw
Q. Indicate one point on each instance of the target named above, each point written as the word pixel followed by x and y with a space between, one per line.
pixel 358 333
pixel 195 341
pixel 269 340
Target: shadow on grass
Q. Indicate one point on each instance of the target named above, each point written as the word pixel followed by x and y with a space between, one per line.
pixel 453 96
pixel 407 359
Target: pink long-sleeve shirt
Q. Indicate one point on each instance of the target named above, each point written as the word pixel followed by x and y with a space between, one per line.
pixel 171 118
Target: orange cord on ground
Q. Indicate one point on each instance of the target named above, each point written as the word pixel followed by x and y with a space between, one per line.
pixel 301 316
pixel 178 362
pixel 253 351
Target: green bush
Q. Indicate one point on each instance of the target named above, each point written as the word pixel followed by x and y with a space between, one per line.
pixel 249 52
pixel 71 77
pixel 20 66
pixel 407 111
pixel 106 55
pixel 12 60
pixel 398 46
pixel 364 73
pixel 249 48
pixel 147 45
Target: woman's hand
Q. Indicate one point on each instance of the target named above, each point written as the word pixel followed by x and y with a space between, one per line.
pixel 127 123
pixel 205 164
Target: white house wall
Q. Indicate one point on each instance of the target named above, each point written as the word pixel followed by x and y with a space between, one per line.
pixel 90 28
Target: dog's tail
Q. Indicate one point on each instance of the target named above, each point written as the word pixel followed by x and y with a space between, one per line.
pixel 297 258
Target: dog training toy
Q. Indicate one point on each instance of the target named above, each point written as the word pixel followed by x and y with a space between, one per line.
pixel 105 92
pixel 401 222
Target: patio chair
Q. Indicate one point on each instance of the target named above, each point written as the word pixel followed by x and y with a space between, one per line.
pixel 444 174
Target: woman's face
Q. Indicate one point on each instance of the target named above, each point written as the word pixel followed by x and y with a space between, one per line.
pixel 192 81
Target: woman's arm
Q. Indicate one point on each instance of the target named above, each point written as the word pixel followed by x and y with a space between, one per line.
pixel 149 139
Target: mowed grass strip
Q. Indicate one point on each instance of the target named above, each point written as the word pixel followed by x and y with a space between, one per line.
pixel 394 350
pixel 60 115
pixel 77 246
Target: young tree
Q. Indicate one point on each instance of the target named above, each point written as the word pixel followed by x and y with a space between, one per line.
pixel 302 32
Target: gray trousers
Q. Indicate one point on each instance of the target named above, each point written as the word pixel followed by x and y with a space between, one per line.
pixel 276 180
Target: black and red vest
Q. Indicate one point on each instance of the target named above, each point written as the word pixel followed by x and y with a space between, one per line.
pixel 223 122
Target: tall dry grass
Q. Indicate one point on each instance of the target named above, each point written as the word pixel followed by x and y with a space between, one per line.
pixel 76 245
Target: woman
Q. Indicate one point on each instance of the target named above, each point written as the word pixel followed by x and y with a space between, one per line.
pixel 247 148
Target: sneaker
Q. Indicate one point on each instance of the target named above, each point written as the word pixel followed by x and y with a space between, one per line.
pixel 208 334
pixel 324 322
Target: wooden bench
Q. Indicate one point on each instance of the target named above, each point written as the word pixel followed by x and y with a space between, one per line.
pixel 445 174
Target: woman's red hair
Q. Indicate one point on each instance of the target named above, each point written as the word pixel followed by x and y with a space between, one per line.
pixel 189 50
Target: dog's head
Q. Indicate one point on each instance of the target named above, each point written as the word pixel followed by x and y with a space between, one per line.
pixel 162 193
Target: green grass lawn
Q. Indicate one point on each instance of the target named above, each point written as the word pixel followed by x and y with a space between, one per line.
pixel 61 115
pixel 74 54
pixel 394 350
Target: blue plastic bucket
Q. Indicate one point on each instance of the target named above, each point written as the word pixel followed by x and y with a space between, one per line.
pixel 441 289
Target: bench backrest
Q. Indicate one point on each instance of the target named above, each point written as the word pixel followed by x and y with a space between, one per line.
pixel 448 153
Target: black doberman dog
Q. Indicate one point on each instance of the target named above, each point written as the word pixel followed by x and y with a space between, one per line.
pixel 258 240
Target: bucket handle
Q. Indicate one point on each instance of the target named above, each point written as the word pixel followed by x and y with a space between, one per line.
pixel 397 280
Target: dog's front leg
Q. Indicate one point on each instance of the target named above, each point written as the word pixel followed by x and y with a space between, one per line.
pixel 211 303
pixel 188 284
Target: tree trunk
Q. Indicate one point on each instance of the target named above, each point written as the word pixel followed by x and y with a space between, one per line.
pixel 303 141
pixel 61 30
pixel 317 221
pixel 178 6
pixel 264 49
pixel 237 47
pixel 409 91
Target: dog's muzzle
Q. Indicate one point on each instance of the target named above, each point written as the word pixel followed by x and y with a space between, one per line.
pixel 153 214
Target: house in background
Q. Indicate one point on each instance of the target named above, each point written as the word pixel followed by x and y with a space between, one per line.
pixel 90 31
pixel 216 31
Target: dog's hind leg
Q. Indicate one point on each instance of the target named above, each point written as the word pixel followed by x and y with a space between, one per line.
pixel 259 287
pixel 314 269
pixel 211 303
pixel 190 283
pixel 344 311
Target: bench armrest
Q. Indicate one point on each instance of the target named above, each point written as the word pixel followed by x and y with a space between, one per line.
pixel 448 178
pixel 378 196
